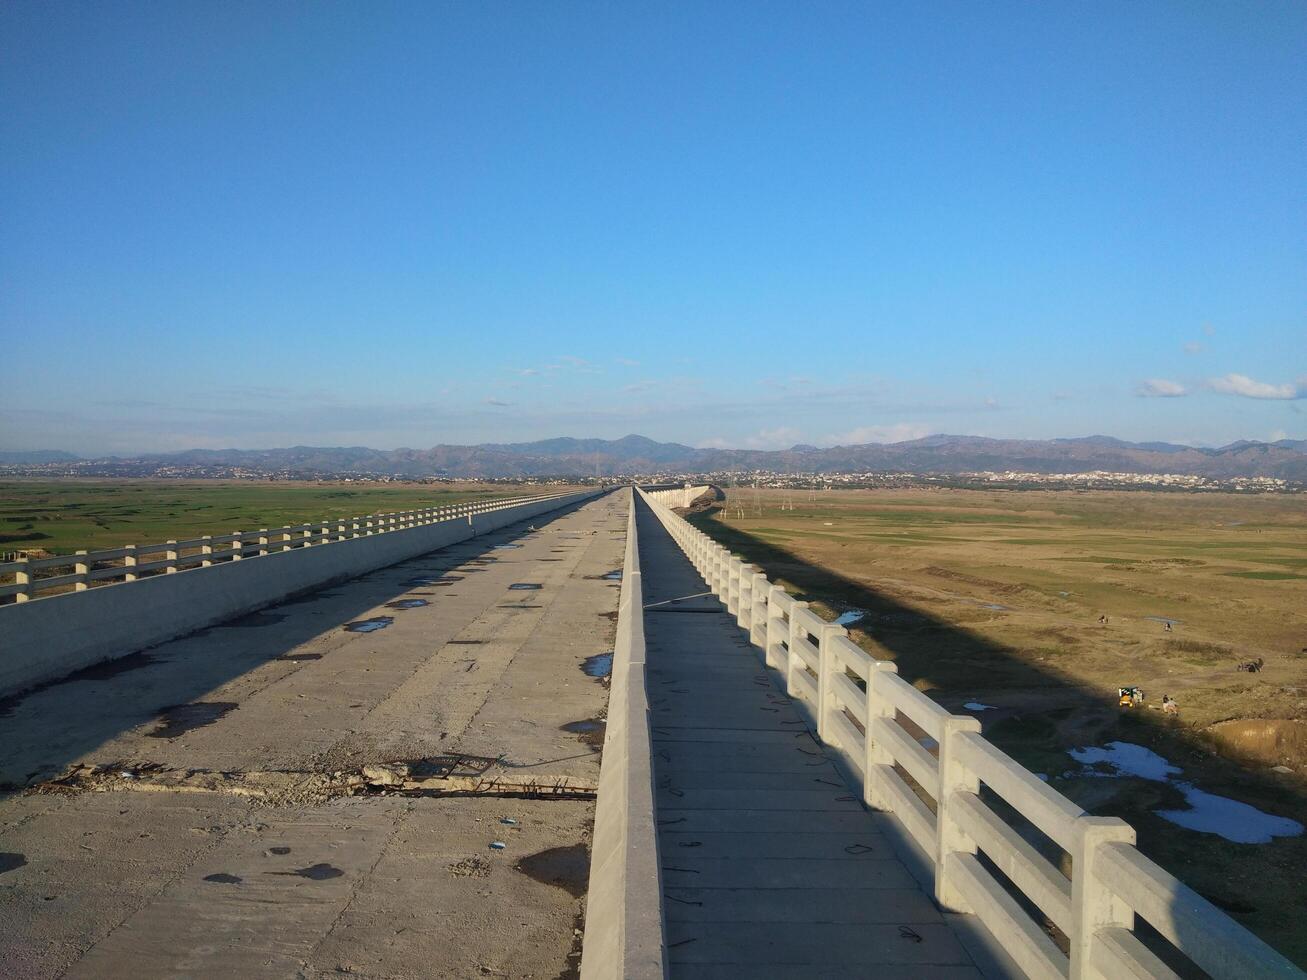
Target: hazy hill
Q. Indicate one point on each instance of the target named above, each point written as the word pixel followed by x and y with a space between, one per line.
pixel 1286 459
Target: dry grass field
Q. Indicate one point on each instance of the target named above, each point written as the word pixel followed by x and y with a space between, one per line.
pixel 995 599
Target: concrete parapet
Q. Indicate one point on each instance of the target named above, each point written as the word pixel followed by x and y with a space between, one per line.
pixel 51 637
pixel 624 931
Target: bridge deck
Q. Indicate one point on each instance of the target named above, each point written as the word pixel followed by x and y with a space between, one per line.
pixel 771 867
pixel 194 878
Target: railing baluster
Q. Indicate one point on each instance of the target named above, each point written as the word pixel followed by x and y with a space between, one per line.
pixel 23 579
pixel 1093 905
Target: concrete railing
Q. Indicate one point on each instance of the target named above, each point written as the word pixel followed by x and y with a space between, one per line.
pixel 859 707
pixel 131 562
pixel 54 635
pixel 623 921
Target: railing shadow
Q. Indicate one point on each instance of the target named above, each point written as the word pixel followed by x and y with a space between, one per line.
pixel 45 729
pixel 1257 884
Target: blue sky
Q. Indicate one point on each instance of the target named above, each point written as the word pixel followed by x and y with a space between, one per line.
pixel 743 224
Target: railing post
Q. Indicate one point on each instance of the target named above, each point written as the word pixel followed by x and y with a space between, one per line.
pixel 744 598
pixel 237 546
pixel 170 556
pixel 761 592
pixel 286 541
pixel 794 664
pixel 878 707
pixel 23 579
pixel 308 536
pixel 827 658
pixel 1094 906
pixel 81 569
pixel 263 540
pixel 775 624
pixel 954 777
pixel 206 549
pixel 733 575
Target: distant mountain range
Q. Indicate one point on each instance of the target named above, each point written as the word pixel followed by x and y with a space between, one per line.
pixel 941 454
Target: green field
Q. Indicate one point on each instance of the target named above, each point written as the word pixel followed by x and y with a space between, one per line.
pixel 996 597
pixel 62 516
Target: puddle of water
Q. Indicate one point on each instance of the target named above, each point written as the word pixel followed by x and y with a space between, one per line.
pixel 1235 821
pixel 466 642
pixel 850 617
pixel 615 576
pixel 222 878
pixel 407 604
pixel 182 718
pixel 11 861
pixel 506 547
pixel 598 666
pixel 253 620
pixel 1127 759
pixel 525 586
pixel 298 657
pixel 369 625
pixel 279 850
pixel 977 706
pixel 1163 619
pixel 1207 813
pixel 567 868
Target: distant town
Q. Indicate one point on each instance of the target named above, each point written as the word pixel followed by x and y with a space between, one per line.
pixel 986 479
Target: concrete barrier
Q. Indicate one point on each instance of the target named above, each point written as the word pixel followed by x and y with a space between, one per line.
pixel 624 932
pixel 51 637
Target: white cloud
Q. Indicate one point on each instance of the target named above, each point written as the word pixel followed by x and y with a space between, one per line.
pixel 1246 387
pixel 899 432
pixel 782 437
pixel 1161 388
pixel 716 442
pixel 1193 347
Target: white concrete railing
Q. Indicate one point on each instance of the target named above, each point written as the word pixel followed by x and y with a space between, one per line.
pixel 858 704
pixel 205 551
pixel 624 933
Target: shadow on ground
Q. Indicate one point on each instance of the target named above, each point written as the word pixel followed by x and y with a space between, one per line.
pixel 45 729
pixel 1259 885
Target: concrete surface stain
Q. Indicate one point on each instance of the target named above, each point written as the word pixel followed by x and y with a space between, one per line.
pixel 407 604
pixel 222 878
pixel 279 850
pixel 297 657
pixel 590 731
pixel 182 718
pixel 600 665
pixel 369 625
pixel 567 868
pixel 10 861
pixel 253 620
pixel 314 872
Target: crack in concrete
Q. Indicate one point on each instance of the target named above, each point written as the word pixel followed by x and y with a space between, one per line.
pixel 441 776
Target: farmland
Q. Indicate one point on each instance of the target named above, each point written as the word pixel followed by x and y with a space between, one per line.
pixel 63 516
pixel 1036 606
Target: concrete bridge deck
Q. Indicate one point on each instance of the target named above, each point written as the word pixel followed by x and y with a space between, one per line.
pixel 771 866
pixel 215 837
